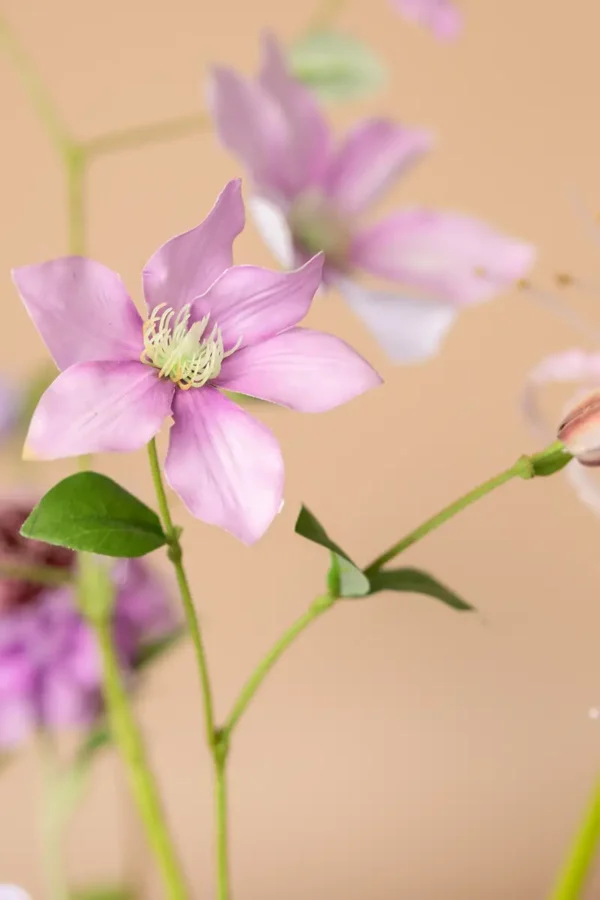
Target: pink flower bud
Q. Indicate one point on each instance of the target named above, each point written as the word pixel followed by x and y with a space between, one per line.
pixel 580 430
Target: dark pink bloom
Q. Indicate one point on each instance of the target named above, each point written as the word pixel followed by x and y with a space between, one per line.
pixel 209 325
pixel 439 16
pixel 310 196
pixel 50 669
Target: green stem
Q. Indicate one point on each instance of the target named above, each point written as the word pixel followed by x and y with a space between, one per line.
pixel 129 741
pixel 142 135
pixel 49 575
pixel 521 469
pixel 52 821
pixel 572 879
pixel 326 14
pixel 317 608
pixel 176 556
pixel 222 824
pixel 34 86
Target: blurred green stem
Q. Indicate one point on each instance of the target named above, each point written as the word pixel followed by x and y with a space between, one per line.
pixel 572 879
pixel 53 820
pixel 49 575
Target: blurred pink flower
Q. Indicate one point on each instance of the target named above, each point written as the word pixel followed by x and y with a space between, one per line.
pixel 439 16
pixel 50 669
pixel 309 197
pixel 581 369
pixel 209 325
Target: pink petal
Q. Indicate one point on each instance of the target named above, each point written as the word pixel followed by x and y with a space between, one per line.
pixel 309 133
pixel 569 366
pixel 253 304
pixel 81 309
pixel 374 154
pixel 226 467
pixel 99 407
pixel 410 329
pixel 454 257
pixel 440 16
pixel 250 123
pixel 305 370
pixel 188 264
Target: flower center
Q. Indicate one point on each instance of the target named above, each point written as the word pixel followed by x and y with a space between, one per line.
pixel 181 352
pixel 317 226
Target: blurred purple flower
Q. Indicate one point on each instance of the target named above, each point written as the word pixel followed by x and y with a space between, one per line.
pixel 10 409
pixel 310 196
pixel 440 16
pixel 50 669
pixel 209 325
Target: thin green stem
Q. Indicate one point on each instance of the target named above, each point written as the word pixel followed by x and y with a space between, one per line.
pixel 521 469
pixel 317 608
pixel 129 741
pixel 143 135
pixel 75 164
pixel 52 821
pixel 176 556
pixel 222 824
pixel 34 86
pixel 49 575
pixel 577 867
pixel 326 14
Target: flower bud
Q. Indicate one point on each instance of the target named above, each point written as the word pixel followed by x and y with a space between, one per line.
pixel 580 430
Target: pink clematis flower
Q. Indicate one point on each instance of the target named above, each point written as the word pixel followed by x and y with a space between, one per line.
pixel 580 369
pixel 209 325
pixel 310 195
pixel 441 17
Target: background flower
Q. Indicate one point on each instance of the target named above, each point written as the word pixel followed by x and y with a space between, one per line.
pixel 310 196
pixel 50 667
pixel 440 16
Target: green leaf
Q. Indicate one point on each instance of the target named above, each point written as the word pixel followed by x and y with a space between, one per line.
pixel 336 66
pixel 551 460
pixel 92 513
pixel 415 581
pixel 345 578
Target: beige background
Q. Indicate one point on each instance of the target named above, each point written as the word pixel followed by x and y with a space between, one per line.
pixel 400 750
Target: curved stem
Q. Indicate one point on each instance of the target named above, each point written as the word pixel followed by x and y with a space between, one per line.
pixel 320 605
pixel 175 555
pixel 49 575
pixel 572 879
pixel 34 86
pixel 143 135
pixel 129 741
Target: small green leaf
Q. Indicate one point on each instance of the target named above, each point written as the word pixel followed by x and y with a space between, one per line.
pixel 335 65
pixel 92 513
pixel 415 581
pixel 345 579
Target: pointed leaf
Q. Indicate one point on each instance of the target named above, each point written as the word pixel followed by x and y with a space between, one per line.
pixel 336 66
pixel 415 581
pixel 345 578
pixel 90 512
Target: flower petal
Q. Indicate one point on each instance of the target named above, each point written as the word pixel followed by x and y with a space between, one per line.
pixel 410 329
pixel 452 256
pixel 568 366
pixel 309 133
pixel 374 154
pixel 99 407
pixel 253 304
pixel 305 370
pixel 81 309
pixel 251 125
pixel 440 16
pixel 272 225
pixel 188 264
pixel 226 466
